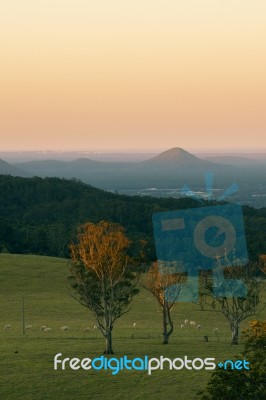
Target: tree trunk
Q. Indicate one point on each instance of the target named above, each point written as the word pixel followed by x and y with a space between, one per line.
pixel 108 342
pixel 166 321
pixel 107 321
pixel 235 331
pixel 165 336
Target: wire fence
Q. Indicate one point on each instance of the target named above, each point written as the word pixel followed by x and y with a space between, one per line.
pixel 95 335
pixel 59 317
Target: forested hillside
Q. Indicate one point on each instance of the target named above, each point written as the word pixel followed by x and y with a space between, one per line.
pixel 40 216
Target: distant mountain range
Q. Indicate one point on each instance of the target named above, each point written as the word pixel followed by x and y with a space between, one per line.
pixel 167 168
pixel 172 168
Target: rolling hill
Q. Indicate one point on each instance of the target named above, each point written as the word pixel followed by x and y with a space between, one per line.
pixel 232 160
pixel 8 169
pixel 40 216
pixel 26 361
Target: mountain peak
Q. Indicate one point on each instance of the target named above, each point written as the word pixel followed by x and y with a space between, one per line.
pixel 175 155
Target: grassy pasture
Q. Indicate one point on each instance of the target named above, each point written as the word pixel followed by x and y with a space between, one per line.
pixel 26 361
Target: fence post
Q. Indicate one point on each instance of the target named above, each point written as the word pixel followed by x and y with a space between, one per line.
pixel 23 315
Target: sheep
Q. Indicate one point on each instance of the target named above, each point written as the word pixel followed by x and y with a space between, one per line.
pixel 46 330
pixel 42 328
pixel 186 322
pixel 193 323
pixel 198 327
pixel 182 326
pixel 64 328
pixel 6 327
pixel 215 331
pixel 134 325
pixel 95 327
pixel 27 327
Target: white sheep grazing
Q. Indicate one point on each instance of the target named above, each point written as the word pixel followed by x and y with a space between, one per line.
pixel 186 322
pixel 193 323
pixel 215 331
pixel 46 330
pixel 7 327
pixel 64 328
pixel 42 328
pixel 134 325
pixel 182 326
pixel 28 327
pixel 198 327
pixel 95 327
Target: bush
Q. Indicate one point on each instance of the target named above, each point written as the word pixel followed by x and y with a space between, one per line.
pixel 245 384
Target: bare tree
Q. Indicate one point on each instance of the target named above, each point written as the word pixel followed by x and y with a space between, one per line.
pixel 101 277
pixel 229 297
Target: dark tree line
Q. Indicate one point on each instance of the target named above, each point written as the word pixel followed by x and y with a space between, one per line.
pixel 40 216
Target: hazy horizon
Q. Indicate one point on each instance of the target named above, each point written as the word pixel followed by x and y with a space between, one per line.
pixel 127 155
pixel 216 150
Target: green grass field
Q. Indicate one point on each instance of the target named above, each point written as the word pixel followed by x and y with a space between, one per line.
pixel 26 361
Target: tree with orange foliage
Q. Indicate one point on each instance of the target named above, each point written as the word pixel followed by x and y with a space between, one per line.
pixel 159 284
pixel 101 277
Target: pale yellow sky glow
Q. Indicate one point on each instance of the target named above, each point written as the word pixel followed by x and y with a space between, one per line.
pixel 142 74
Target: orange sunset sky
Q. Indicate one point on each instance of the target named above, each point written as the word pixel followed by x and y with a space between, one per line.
pixel 132 75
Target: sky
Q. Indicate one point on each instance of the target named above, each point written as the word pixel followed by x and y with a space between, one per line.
pixel 132 75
